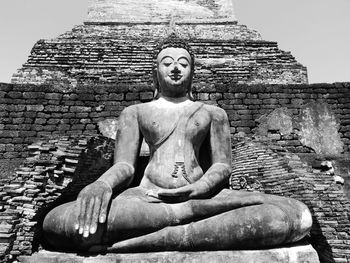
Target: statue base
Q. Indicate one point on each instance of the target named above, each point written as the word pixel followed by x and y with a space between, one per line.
pixel 292 254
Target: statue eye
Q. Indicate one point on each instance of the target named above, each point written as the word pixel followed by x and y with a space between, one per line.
pixel 183 62
pixel 167 62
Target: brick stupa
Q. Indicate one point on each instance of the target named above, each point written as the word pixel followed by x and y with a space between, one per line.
pixel 115 45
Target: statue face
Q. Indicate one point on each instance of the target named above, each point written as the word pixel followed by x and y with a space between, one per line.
pixel 174 71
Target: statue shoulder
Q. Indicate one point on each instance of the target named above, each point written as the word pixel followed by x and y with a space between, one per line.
pixel 216 112
pixel 131 110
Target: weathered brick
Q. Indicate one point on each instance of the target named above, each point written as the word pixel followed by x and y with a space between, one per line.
pixel 9 147
pixel 146 96
pixel 35 107
pixel 2 147
pixel 53 96
pixel 50 127
pixel 85 96
pixel 81 114
pixel 18 120
pixel 33 95
pixel 90 126
pixel 85 121
pixel 15 107
pixel 63 127
pixel 80 109
pixel 6 134
pixel 56 108
pixel 252 101
pixel 132 96
pixel 11 155
pixel 29 114
pixel 14 94
pixel 215 96
pixel 53 121
pixel 78 127
pixel 115 96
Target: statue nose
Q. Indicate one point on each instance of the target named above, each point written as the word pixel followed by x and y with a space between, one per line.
pixel 175 70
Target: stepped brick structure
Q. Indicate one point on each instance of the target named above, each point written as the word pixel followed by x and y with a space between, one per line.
pixel 116 43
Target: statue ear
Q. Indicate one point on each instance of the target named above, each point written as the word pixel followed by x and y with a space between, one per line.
pixel 189 90
pixel 190 95
pixel 156 94
pixel 155 83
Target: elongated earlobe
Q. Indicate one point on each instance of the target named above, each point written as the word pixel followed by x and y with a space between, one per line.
pixel 190 95
pixel 155 84
pixel 156 93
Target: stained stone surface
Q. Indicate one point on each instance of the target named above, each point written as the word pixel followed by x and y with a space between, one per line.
pixel 319 129
pixel 296 254
pixel 108 127
pixel 279 120
pixel 160 11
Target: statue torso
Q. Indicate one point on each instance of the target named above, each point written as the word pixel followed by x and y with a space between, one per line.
pixel 174 135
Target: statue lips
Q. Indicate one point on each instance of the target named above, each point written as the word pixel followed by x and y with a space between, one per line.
pixel 175 77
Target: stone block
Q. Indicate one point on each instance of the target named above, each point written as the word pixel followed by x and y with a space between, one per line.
pixel 82 114
pixel 53 96
pixel 80 109
pixel 145 96
pixel 35 107
pixel 215 96
pixel 85 96
pixel 33 95
pixel 252 101
pixel 11 155
pixel 132 96
pixel 293 254
pixel 14 94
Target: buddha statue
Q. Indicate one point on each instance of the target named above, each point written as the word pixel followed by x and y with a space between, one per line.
pixel 181 202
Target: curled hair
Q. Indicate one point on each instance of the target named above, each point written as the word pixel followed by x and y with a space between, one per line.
pixel 171 41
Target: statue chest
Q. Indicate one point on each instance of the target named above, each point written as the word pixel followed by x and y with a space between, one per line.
pixel 157 127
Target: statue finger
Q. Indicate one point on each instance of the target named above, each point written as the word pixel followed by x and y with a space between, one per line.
pixel 95 215
pixel 104 206
pixel 81 216
pixel 77 209
pixel 88 217
pixel 174 192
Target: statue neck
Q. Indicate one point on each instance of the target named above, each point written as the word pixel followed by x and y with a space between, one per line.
pixel 174 100
pixel 169 102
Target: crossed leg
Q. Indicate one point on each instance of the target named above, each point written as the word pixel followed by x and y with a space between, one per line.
pixel 230 220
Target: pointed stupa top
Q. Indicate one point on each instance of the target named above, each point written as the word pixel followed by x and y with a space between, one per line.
pixel 160 11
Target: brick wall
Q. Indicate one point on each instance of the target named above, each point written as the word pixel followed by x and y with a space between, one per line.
pixel 28 112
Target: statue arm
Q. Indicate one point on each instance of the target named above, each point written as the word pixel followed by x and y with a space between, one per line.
pixel 93 200
pixel 218 173
pixel 127 147
pixel 220 149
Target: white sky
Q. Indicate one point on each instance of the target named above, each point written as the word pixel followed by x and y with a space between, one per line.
pixel 317 32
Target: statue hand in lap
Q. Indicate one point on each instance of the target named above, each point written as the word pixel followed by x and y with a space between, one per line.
pixel 181 203
pixel 92 204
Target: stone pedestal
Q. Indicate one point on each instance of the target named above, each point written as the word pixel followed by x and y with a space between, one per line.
pixel 295 254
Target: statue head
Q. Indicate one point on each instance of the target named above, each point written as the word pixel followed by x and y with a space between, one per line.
pixel 174 68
